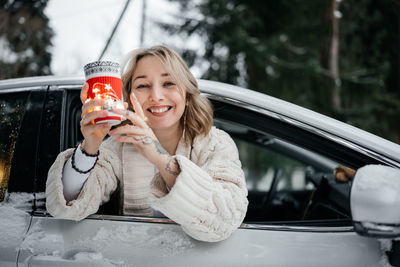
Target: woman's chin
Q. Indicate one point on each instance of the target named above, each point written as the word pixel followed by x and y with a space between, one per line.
pixel 163 127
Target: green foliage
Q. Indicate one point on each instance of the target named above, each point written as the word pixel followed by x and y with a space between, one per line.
pixel 370 41
pixel 277 47
pixel 25 38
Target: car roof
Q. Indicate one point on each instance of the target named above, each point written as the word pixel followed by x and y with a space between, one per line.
pixel 244 97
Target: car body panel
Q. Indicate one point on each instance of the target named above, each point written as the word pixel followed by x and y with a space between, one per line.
pixel 54 242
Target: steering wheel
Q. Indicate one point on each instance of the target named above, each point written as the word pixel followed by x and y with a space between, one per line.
pixel 273 189
pixel 323 183
pixel 315 179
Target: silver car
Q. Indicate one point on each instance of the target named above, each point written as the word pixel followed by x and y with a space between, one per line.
pixel 299 214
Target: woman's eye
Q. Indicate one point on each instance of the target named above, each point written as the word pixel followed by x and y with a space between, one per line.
pixel 142 86
pixel 169 84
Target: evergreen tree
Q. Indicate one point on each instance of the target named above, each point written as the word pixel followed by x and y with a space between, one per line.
pixel 370 58
pixel 286 49
pixel 25 38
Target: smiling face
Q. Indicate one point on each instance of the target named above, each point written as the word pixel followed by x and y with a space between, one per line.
pixel 162 102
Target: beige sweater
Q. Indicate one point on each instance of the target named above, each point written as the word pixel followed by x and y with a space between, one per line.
pixel 209 198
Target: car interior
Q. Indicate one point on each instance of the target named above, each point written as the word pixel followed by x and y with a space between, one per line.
pixel 288 184
pixel 290 172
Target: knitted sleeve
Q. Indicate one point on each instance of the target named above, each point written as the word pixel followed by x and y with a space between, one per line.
pixel 209 198
pixel 101 183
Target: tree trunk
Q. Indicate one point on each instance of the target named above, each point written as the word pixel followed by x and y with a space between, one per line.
pixel 397 8
pixel 330 53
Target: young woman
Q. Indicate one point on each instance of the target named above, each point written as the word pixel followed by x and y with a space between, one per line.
pixel 169 158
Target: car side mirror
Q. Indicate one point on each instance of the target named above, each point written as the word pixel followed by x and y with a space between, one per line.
pixel 375 201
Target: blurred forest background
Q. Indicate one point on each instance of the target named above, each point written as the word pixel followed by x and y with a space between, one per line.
pixel 337 57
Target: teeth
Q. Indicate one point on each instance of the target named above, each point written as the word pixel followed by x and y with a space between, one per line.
pixel 158 110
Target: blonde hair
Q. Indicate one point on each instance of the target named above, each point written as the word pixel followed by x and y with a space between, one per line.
pixel 197 118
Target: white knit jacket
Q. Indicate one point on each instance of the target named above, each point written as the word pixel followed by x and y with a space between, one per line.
pixel 208 199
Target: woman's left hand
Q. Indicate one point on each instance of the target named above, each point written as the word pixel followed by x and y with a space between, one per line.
pixel 139 134
pixel 143 138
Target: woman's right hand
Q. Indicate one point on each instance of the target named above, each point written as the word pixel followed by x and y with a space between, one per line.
pixel 93 133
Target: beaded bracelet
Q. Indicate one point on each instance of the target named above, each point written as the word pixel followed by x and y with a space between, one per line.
pixel 86 154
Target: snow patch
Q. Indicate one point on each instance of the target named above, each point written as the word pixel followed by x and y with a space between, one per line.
pixel 337 14
pixel 14 219
pixel 88 256
pixel 377 176
pixel 170 241
pixel 92 258
pixel 20 200
pixel 13 223
pixel 386 245
pixel 7 55
pixel 38 241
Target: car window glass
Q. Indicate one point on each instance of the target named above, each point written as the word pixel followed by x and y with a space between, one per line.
pixel 260 165
pixel 278 190
pixel 12 108
pixel 49 138
pixel 284 180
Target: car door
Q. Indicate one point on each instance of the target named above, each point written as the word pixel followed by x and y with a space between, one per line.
pixel 20 115
pixel 275 231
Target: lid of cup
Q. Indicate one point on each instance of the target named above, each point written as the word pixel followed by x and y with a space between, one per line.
pixel 102 68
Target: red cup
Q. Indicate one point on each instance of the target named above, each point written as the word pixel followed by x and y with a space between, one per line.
pixel 105 83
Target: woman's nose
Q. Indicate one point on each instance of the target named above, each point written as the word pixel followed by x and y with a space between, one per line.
pixel 156 93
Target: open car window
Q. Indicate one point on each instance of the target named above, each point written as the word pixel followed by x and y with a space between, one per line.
pixel 289 170
pixel 284 181
pixel 288 183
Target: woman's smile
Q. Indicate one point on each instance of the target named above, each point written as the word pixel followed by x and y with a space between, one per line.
pixel 159 110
